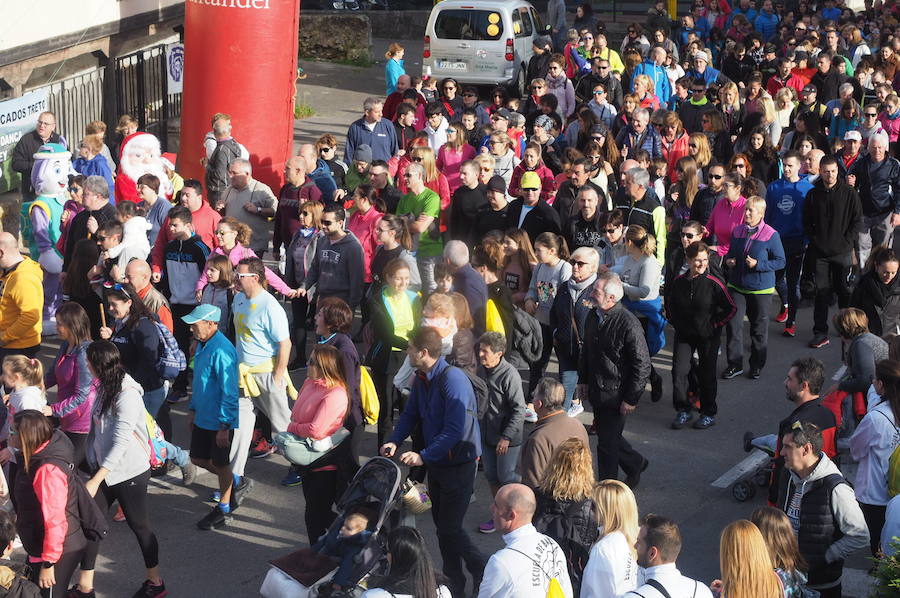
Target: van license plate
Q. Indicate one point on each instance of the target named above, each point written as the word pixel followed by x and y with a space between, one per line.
pixel 450 65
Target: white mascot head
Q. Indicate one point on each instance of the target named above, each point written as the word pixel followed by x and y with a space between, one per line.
pixel 141 154
pixel 52 166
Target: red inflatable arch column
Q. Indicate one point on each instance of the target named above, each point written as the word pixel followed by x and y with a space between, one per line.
pixel 240 59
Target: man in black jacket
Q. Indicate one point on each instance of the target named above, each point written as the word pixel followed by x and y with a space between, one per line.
pixel 612 372
pixel 832 218
pixel 876 177
pixel 531 213
pixel 27 146
pixel 494 215
pixel 828 79
pixel 97 212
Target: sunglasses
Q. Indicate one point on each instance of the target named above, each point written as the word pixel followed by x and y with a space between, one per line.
pixel 740 166
pixel 469 95
pixel 120 288
pixel 688 235
pixel 610 231
pixel 244 274
pixel 418 159
pixel 698 90
pixel 693 145
pixel 716 177
pixel 537 87
pixel 327 222
pixel 599 93
pixel 578 263
pixel 603 68
pixel 872 114
pixel 326 149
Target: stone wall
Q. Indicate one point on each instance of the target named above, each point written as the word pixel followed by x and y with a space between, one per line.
pixel 335 35
pixel 398 24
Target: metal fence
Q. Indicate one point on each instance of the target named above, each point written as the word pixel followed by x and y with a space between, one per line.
pixel 140 90
pixel 76 101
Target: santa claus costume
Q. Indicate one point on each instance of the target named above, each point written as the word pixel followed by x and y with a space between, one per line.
pixel 141 154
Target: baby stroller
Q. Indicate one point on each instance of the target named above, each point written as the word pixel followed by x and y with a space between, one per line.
pixel 375 487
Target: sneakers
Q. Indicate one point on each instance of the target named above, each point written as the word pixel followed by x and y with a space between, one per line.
pixel 782 316
pixel 240 493
pixel 748 441
pixel 148 590
pixel 732 372
pixel 755 373
pixel 487 527
pixel 176 396
pixel 575 409
pixel 790 331
pixel 215 519
pixel 75 592
pixel 818 341
pixel 656 386
pixel 215 496
pixel 704 422
pixel 681 418
pixel 530 415
pixel 293 478
pixel 189 474
pixel 634 479
pixel 262 449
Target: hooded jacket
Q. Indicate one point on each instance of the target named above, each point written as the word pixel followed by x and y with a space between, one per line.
pixel 880 302
pixel 662 88
pixel 338 269
pixel 119 439
pixel 185 264
pixel 784 207
pixel 76 392
pixel 505 414
pixel 878 185
pixel 214 395
pixel 832 218
pixel 564 91
pixel 831 524
pixel 21 305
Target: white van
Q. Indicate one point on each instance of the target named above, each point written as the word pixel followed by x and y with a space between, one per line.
pixel 481 42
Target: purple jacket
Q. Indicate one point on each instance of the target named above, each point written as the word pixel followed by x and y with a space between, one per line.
pixel 77 391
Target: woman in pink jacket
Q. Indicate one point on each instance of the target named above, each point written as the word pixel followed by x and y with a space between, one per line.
pixel 364 222
pixel 317 421
pixel 726 214
pixel 233 238
pixel 451 156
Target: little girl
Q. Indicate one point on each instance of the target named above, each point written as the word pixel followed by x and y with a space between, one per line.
pixel 24 377
pixel 552 270
pixel 520 260
pixel 218 290
pixel 429 89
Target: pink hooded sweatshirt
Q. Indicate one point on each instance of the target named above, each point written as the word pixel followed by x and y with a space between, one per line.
pixel 237 253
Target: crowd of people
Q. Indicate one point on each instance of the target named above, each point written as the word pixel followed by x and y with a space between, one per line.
pixel 705 169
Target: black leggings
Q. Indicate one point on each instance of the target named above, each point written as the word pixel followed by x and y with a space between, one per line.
pixel 79 444
pixel 132 497
pixel 62 570
pixel 300 311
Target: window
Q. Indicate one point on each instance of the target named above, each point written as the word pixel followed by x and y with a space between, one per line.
pixel 469 24
pixel 526 29
pixel 537 21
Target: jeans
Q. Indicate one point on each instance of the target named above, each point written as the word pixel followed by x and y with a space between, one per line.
pixel 831 274
pixel 500 469
pixel 426 272
pixel 176 454
pixel 450 488
pixel 568 375
pixel 708 353
pixel 613 451
pixel 153 400
pixel 787 284
pixel 876 230
pixel 757 309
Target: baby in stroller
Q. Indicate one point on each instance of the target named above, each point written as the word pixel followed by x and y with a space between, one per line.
pixel 344 544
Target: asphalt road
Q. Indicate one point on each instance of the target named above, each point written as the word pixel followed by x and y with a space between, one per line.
pixel 233 561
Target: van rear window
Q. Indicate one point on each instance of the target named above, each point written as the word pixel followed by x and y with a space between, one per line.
pixel 469 24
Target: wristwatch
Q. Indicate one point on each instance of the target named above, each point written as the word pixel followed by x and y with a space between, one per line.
pixel 258 209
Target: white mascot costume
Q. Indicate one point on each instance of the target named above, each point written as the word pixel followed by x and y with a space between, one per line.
pixel 41 220
pixel 141 154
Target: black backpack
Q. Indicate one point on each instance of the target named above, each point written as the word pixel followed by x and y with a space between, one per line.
pixel 93 521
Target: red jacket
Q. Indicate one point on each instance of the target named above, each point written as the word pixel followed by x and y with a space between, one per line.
pixel 548 181
pixel 363 226
pixel 673 152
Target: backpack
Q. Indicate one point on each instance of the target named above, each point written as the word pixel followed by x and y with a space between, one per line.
pixel 554 588
pixel 93 521
pixel 156 442
pixel 479 386
pixel 368 396
pixel 170 359
pixel 893 469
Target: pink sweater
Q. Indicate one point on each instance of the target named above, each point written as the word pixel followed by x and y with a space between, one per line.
pixel 449 161
pixel 724 218
pixel 363 226
pixel 319 411
pixel 237 253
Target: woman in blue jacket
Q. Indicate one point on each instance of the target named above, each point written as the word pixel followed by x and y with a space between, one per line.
pixel 393 68
pixel 753 257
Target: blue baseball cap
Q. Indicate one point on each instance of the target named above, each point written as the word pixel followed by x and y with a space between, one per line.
pixel 207 312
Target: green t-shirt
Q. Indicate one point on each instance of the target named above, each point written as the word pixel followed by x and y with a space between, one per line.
pixel 427 202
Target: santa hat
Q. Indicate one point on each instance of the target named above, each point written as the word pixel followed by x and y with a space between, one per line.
pixel 142 138
pixel 169 159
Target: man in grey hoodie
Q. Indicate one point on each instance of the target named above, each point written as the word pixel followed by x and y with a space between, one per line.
pixel 822 508
pixel 337 269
